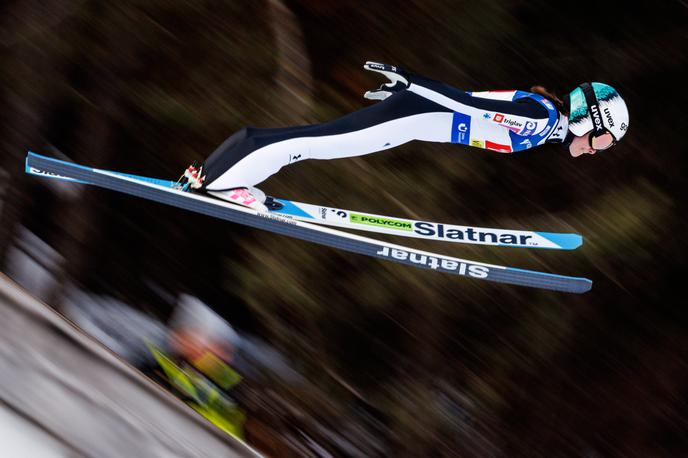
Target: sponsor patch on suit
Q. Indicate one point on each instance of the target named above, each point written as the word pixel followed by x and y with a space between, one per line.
pixel 461 128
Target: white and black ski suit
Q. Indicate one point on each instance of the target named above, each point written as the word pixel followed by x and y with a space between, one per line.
pixel 502 121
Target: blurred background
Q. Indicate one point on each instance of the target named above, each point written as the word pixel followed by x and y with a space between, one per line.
pixel 341 355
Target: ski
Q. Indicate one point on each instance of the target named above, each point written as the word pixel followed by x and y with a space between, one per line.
pixel 404 227
pixel 427 230
pixel 166 192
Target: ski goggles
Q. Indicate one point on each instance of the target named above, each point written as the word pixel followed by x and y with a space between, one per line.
pixel 600 137
pixel 601 141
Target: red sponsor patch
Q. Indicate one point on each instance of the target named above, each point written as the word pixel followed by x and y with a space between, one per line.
pixel 497 147
pixel 498 117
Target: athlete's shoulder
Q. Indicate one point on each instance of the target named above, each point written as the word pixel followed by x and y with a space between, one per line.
pixel 541 99
pixel 508 95
pixel 514 95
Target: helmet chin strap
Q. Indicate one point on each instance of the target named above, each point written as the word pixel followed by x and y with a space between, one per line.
pixel 560 130
pixel 566 142
pixel 568 139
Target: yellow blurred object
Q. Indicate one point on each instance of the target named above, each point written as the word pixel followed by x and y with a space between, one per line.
pixel 201 393
pixel 217 370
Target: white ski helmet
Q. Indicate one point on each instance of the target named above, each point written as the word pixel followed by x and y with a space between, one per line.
pixel 597 107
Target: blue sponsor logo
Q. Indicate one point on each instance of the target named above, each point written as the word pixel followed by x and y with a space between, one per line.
pixel 529 129
pixel 461 128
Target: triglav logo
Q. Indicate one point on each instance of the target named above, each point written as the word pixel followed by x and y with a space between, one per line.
pixel 512 122
pixel 501 119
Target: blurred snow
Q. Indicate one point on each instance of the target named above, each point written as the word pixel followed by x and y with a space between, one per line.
pixel 33 263
pixel 59 378
pixel 19 437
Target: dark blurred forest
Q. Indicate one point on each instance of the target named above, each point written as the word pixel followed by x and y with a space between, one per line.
pixel 400 361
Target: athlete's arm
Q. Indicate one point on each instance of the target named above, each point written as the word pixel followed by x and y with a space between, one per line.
pixel 516 111
pixel 521 111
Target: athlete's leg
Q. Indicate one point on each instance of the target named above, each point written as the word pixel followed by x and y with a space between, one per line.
pixel 252 155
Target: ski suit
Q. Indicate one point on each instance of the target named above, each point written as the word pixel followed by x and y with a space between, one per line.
pixel 428 110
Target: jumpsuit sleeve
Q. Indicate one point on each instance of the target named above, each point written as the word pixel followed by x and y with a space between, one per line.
pixel 491 119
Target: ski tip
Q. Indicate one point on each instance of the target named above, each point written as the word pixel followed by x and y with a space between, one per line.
pixel 27 167
pixel 31 155
pixel 574 285
pixel 563 241
pixel 543 280
pixel 583 285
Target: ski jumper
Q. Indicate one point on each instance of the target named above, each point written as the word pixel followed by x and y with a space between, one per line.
pixel 428 110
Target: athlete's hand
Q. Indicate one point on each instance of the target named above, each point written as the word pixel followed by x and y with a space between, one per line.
pixel 398 80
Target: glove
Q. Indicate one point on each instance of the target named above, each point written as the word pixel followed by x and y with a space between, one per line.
pixel 399 80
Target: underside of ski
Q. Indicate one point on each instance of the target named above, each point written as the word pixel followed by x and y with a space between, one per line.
pixel 167 192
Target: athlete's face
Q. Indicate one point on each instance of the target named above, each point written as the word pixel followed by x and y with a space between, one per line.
pixel 581 145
